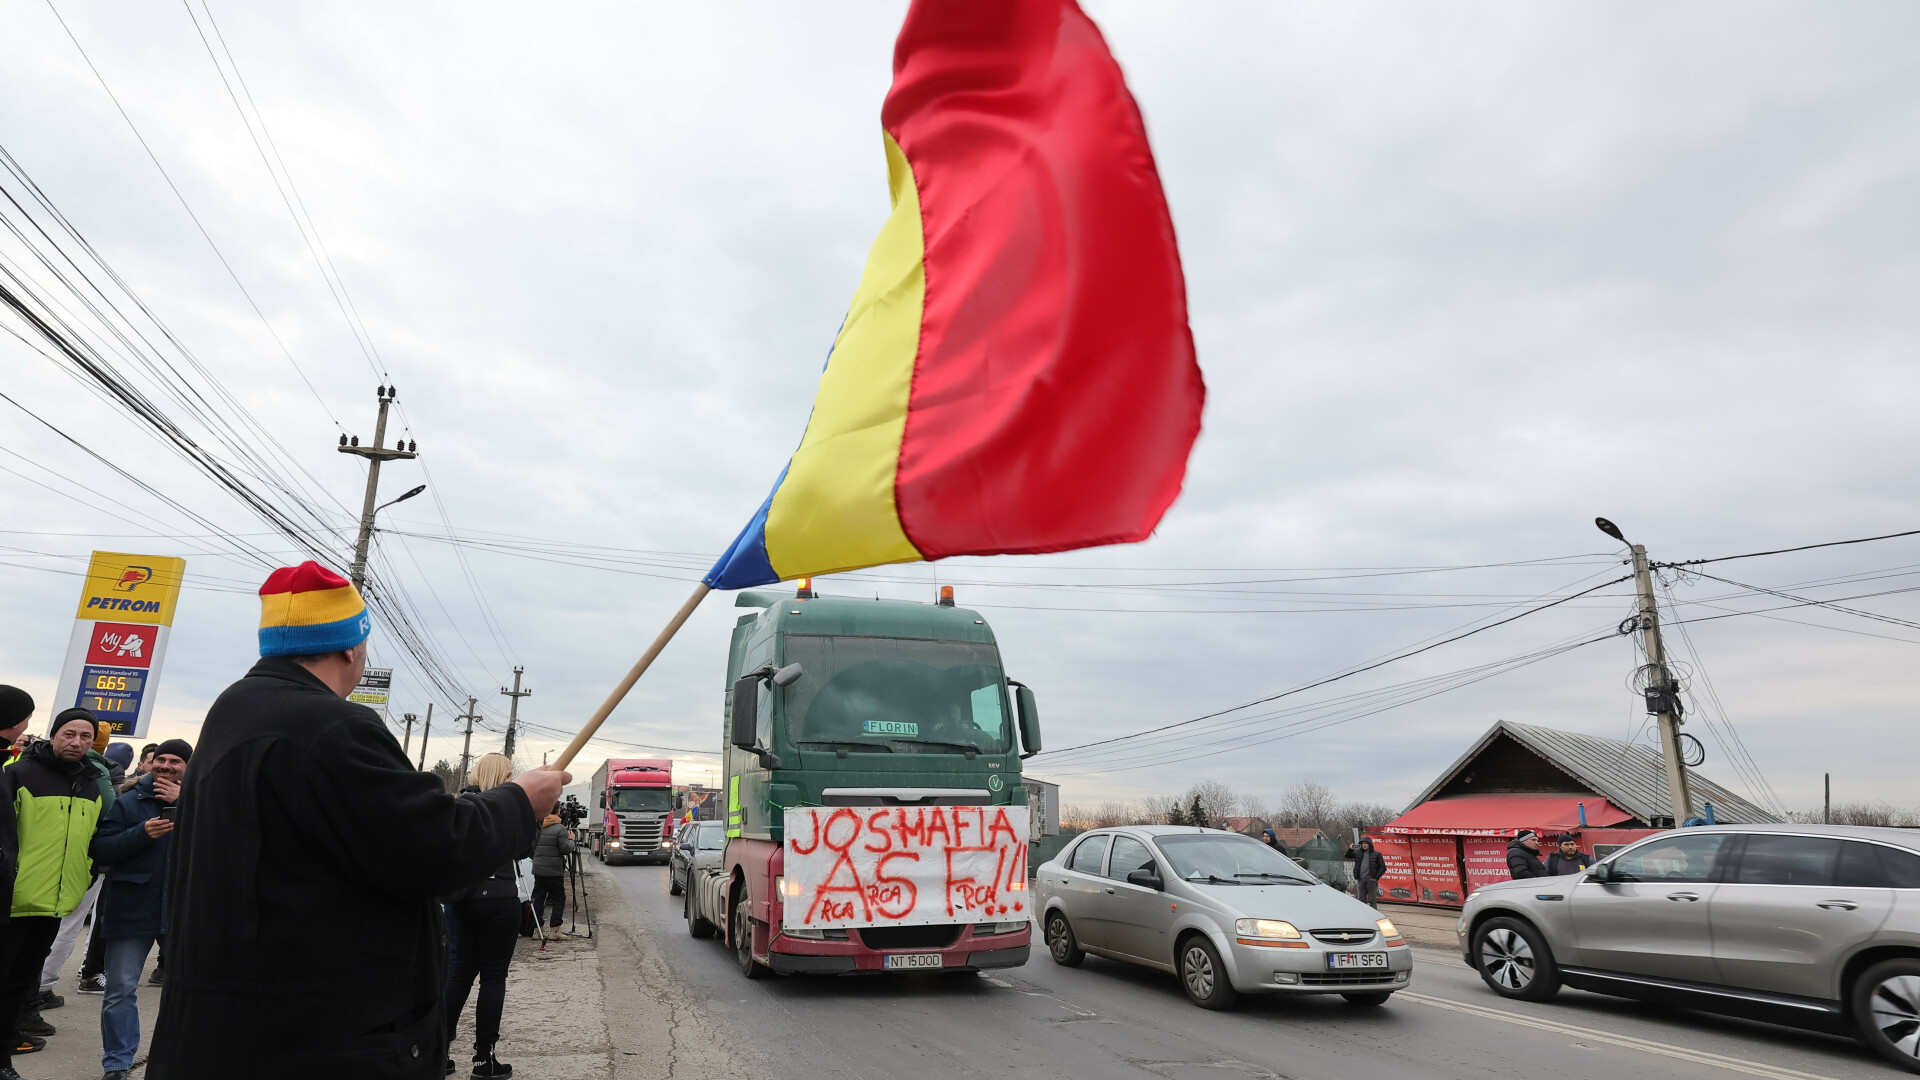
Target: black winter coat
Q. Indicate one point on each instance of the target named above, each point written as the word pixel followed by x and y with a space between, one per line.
pixel 303 937
pixel 133 903
pixel 1368 865
pixel 1558 864
pixel 1522 863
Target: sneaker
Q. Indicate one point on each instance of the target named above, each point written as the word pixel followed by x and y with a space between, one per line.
pixel 159 976
pixel 31 1023
pixel 92 984
pixel 450 1066
pixel 7 1073
pixel 50 1000
pixel 489 1068
pixel 28 1044
pixel 114 1074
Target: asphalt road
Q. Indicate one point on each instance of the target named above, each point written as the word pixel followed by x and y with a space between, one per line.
pixel 1106 1019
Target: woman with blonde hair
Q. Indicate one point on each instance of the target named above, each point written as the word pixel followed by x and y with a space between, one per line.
pixel 483 923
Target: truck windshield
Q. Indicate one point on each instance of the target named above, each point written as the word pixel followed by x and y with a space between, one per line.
pixel 897 695
pixel 644 799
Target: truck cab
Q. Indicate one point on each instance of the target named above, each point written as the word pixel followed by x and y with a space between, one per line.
pixel 872 704
pixel 632 810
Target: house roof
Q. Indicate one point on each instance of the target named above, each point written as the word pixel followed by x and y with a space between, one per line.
pixel 1631 776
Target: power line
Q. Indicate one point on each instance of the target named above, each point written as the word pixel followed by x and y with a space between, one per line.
pixel 1783 551
pixel 1346 674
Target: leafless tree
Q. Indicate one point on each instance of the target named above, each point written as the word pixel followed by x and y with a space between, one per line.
pixel 1882 814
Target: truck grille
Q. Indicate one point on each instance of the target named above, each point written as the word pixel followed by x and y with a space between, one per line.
pixel 1353 936
pixel 639 832
pixel 909 937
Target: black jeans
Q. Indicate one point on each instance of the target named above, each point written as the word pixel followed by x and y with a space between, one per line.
pixel 481 935
pixel 549 889
pixel 24 945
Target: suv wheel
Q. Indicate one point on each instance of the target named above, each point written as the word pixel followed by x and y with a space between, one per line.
pixel 673 882
pixel 1061 944
pixel 1886 1010
pixel 1203 975
pixel 1514 961
pixel 743 943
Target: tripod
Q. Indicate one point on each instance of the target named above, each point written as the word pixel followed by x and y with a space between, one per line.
pixel 577 882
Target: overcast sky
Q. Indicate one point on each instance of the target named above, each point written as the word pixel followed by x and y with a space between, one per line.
pixel 1461 277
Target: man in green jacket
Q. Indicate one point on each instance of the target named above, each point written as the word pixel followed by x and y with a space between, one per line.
pixel 53 793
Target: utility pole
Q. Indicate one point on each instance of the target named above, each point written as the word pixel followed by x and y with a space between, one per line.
pixel 513 708
pixel 1826 806
pixel 375 454
pixel 424 732
pixel 466 748
pixel 407 747
pixel 1662 692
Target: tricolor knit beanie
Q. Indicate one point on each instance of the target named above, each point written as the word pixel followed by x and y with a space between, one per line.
pixel 308 609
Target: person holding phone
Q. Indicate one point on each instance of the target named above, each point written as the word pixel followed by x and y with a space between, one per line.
pixel 133 842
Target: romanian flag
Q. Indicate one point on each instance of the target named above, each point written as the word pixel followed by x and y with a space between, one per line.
pixel 1015 374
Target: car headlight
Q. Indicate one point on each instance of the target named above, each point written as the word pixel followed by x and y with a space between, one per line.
pixel 1266 929
pixel 1387 929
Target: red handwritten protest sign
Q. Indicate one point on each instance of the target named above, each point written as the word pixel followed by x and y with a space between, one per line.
pixel 904 866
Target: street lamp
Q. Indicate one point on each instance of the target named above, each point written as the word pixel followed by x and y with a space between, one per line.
pixel 1604 525
pixel 405 497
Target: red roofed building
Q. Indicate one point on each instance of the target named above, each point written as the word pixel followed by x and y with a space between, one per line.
pixel 1453 837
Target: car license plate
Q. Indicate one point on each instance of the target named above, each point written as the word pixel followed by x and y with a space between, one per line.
pixel 903 961
pixel 1342 961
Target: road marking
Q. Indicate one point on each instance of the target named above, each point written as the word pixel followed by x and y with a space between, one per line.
pixel 1697 1057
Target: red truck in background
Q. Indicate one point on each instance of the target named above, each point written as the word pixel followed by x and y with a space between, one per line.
pixel 632 810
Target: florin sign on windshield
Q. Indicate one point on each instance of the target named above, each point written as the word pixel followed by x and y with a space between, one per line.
pixel 119 637
pixel 904 866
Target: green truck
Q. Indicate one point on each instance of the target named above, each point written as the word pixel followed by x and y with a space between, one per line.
pixel 887 737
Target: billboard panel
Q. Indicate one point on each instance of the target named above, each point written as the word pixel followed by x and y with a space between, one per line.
pixel 119 638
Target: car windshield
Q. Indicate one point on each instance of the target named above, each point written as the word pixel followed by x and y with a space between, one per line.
pixel 643 799
pixel 1221 858
pixel 896 695
pixel 711 837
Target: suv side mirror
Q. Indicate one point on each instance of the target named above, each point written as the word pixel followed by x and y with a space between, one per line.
pixel 1029 714
pixel 1146 879
pixel 746 711
pixel 1601 872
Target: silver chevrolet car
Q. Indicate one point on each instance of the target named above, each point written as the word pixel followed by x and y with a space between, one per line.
pixel 1815 926
pixel 1224 913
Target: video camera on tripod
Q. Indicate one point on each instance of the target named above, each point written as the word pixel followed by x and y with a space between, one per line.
pixel 572 813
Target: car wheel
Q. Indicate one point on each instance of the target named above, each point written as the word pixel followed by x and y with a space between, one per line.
pixel 743 943
pixel 1377 997
pixel 697 927
pixel 673 884
pixel 1514 961
pixel 1886 1011
pixel 1061 944
pixel 1203 976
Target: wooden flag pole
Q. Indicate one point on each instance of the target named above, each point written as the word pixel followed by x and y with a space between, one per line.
pixel 679 619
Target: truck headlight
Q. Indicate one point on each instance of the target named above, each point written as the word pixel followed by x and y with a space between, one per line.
pixel 613 843
pixel 788 890
pixel 1002 927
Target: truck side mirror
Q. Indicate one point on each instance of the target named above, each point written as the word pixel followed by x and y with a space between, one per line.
pixel 1029 713
pixel 788 675
pixel 746 710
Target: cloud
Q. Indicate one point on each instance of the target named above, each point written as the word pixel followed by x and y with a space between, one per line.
pixel 1461 278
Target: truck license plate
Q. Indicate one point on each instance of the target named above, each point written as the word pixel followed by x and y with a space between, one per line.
pixel 1343 960
pixel 902 961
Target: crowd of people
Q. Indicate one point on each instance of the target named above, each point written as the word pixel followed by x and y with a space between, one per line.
pixel 315 906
